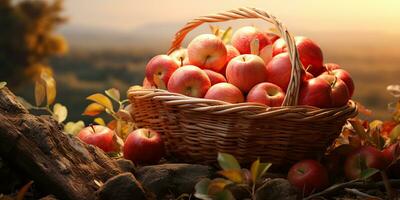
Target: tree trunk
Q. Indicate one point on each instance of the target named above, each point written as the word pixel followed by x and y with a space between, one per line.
pixel 58 163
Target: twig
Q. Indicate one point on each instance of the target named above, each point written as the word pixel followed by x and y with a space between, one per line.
pixel 361 194
pixel 353 184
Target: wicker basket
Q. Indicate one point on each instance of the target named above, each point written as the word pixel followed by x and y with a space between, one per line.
pixel 196 129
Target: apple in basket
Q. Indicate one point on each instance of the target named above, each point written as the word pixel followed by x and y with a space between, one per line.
pixel 310 53
pixel 100 136
pixel 324 91
pixel 231 53
pixel 225 92
pixel 344 76
pixel 266 93
pixel 162 67
pixel 364 157
pixel 207 51
pixel 144 146
pixel 242 38
pixel 180 56
pixel 214 77
pixel 266 53
pixel 279 70
pixel 190 81
pixel 246 71
pixel 308 176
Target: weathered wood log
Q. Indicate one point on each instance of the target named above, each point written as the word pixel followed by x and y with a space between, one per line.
pixel 58 163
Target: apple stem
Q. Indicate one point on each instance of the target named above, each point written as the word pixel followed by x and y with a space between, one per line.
pixel 334 82
pixel 92 126
pixel 181 59
pixel 148 134
pixel 308 67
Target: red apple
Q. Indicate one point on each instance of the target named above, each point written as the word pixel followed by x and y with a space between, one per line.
pixel 339 92
pixel 364 157
pixel 161 66
pixel 231 53
pixel 215 77
pixel 344 76
pixel 190 81
pixel 266 93
pixel 242 38
pixel 279 70
pixel 266 53
pixel 207 51
pixel 272 37
pixel 246 71
pixel 100 136
pixel 308 176
pixel 225 92
pixel 180 56
pixel 309 52
pixel 144 146
pixel 331 66
pixel 147 85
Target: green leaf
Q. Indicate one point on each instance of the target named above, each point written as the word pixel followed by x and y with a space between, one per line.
pixel 368 172
pixel 224 195
pixel 263 169
pixel 201 187
pixel 102 100
pixel 234 175
pixel 113 94
pixel 73 128
pixel 395 133
pixel 25 103
pixel 2 84
pixel 227 161
pixel 60 112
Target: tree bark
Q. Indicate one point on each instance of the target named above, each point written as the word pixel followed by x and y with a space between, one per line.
pixel 58 163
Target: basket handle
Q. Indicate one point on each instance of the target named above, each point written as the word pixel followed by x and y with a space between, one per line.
pixel 248 13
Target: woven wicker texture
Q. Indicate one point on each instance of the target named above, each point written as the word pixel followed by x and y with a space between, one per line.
pixel 196 129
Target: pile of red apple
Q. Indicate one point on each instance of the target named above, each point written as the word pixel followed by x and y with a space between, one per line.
pixel 255 67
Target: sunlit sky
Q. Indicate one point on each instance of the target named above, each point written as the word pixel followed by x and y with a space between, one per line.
pixel 125 15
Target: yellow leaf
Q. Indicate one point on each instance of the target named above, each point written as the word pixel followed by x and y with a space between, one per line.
pixel 74 127
pixel 99 121
pixel 214 29
pixel 234 175
pixel 2 84
pixel 124 115
pixel 40 92
pixel 254 170
pixel 227 35
pixel 93 109
pixel 60 112
pixel 50 85
pixel 217 185
pixel 102 100
pixel 113 94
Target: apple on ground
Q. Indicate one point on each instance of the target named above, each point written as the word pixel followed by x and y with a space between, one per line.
pixel 310 53
pixel 225 92
pixel 215 77
pixel 189 80
pixel 100 136
pixel 266 93
pixel 207 51
pixel 246 71
pixel 344 76
pixel 231 53
pixel 144 146
pixel 180 56
pixel 160 67
pixel 325 91
pixel 308 176
pixel 362 158
pixel 242 38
